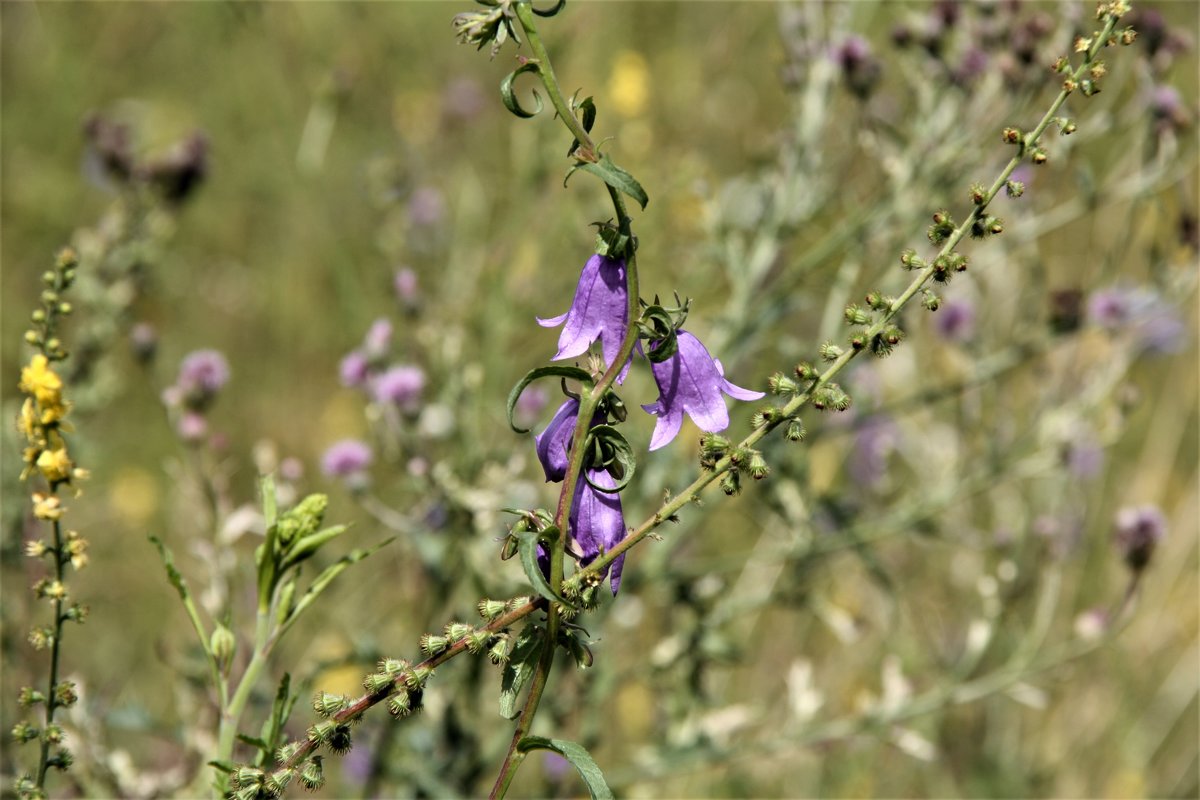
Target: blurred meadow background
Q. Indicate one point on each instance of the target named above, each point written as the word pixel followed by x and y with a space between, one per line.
pixel 916 602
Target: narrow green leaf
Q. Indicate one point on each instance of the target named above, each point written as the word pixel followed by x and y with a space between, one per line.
pixel 607 170
pixel 509 95
pixel 266 552
pixel 275 722
pixel 579 757
pixel 587 117
pixel 308 545
pixel 574 373
pixel 519 668
pixel 527 545
pixel 253 741
pixel 322 581
pixel 173 574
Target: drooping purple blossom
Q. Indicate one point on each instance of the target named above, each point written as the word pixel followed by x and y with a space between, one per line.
pixel 401 386
pixel 600 310
pixel 596 523
pixel 691 381
pixel 346 459
pixel 553 442
pixel 1139 529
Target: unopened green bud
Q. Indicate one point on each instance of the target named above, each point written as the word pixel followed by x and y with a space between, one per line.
pixel 855 315
pixel 399 704
pixel 222 642
pixel 731 484
pixel 1014 188
pixel 24 732
pixel 433 645
pixel 376 682
pixel 806 371
pixel 477 640
pixel 457 630
pixel 498 652
pixel 930 300
pixel 977 193
pixel 65 694
pixel 37 317
pixel 490 609
pixel 312 776
pixel 1012 136
pixel 67 258
pixel 781 384
pixel 29 696
pixel 830 351
pixel 65 308
pixel 714 444
pixel 757 467
pixel 326 704
pixel 795 431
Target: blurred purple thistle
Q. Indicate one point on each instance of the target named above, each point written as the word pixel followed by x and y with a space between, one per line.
pixel 1139 529
pixel 691 382
pixel 347 459
pixel 401 386
pixel 354 369
pixel 955 322
pixel 202 374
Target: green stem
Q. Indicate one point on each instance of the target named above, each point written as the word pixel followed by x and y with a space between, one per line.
pixel 587 407
pixel 671 507
pixel 231 714
pixel 60 558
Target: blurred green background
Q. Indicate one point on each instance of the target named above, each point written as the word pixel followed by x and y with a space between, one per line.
pixel 285 256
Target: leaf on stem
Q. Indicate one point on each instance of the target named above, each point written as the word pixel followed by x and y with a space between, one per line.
pixel 606 170
pixel 579 757
pixel 519 668
pixel 509 95
pixel 527 546
pixel 574 373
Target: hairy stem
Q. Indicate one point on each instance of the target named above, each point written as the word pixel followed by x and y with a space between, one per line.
pixel 60 558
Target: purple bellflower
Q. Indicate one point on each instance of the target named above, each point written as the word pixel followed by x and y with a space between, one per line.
pixel 596 522
pixel 600 310
pixel 691 381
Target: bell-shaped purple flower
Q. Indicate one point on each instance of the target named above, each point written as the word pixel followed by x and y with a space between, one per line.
pixel 555 440
pixel 596 522
pixel 600 310
pixel 691 381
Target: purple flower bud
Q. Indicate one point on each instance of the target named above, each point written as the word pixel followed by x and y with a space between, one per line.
pixel 600 310
pixel 955 322
pixel 691 381
pixel 405 284
pixel 143 340
pixel 401 386
pixel 378 339
pixel 1139 529
pixel 426 207
pixel 201 375
pixel 192 427
pixel 346 459
pixel 353 369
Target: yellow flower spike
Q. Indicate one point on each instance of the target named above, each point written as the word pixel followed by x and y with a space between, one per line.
pixel 47 507
pixel 43 383
pixel 27 421
pixel 55 465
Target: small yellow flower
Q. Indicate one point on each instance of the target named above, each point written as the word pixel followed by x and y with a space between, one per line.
pixel 43 383
pixel 27 421
pixel 56 413
pixel 47 507
pixel 54 590
pixel 35 548
pixel 55 465
pixel 77 547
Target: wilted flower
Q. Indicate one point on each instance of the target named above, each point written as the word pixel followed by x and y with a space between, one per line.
pixel 860 69
pixel 346 459
pixel 1139 529
pixel 691 381
pixel 600 310
pixel 401 386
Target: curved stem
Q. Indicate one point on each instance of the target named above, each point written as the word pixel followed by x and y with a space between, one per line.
pixel 671 507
